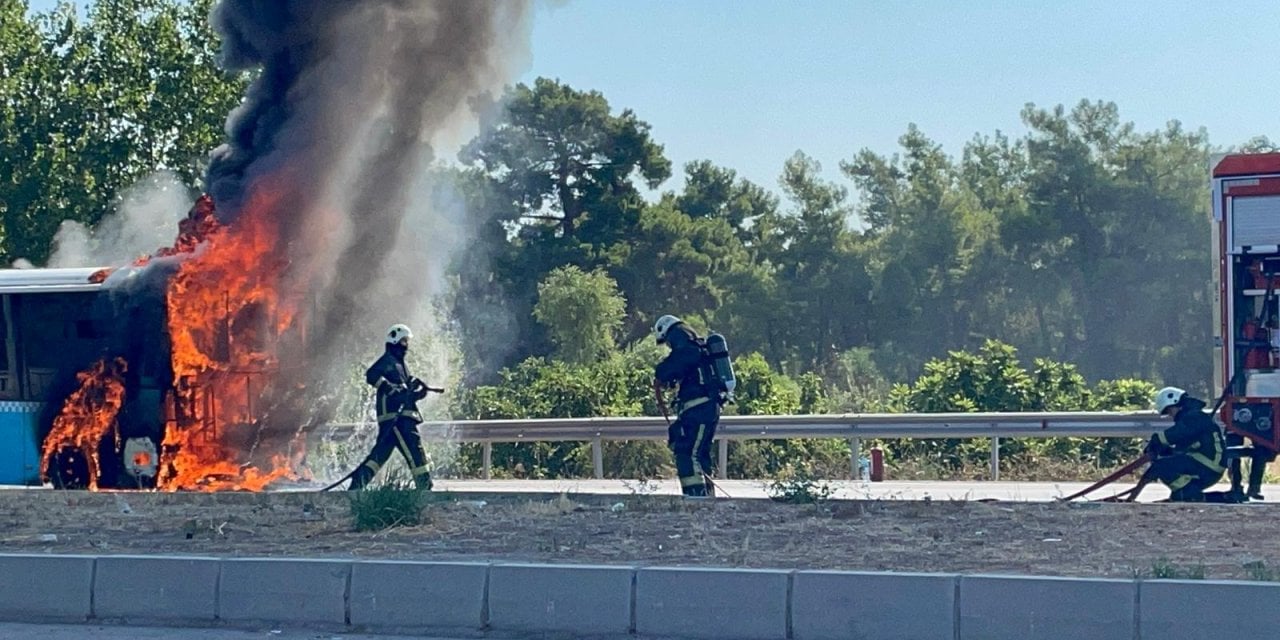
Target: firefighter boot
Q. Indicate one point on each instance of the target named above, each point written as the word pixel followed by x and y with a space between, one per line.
pixel 363 474
pixel 1257 468
pixel 1237 481
pixel 696 492
pixel 360 479
pixel 422 481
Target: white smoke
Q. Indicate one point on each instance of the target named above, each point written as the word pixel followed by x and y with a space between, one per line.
pixel 146 218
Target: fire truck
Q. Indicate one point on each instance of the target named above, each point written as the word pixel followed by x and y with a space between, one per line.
pixel 1246 281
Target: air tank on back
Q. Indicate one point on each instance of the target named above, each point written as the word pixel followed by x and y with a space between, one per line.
pixel 718 349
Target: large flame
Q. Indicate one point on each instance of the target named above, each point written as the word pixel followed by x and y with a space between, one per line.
pixel 227 321
pixel 88 417
pixel 226 318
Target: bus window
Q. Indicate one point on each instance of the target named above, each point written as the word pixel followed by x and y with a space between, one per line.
pixel 55 338
pixel 9 387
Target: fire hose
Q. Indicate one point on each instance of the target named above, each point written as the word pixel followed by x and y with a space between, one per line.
pixel 661 400
pixel 1116 475
pixel 1145 479
pixel 1131 495
pixel 357 468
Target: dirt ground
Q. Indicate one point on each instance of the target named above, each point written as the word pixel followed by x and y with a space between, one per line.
pixel 1078 539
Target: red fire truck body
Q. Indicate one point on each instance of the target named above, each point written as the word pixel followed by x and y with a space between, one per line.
pixel 1246 242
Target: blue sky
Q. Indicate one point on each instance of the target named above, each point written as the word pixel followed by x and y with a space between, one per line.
pixel 747 83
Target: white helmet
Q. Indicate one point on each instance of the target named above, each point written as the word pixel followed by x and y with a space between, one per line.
pixel 398 332
pixel 663 325
pixel 1167 397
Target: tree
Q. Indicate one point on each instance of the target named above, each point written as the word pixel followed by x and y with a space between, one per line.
pixel 559 152
pixel 1117 217
pixel 802 297
pixel 556 183
pixel 674 263
pixel 716 192
pixel 1257 144
pixel 581 311
pixel 91 106
pixel 928 234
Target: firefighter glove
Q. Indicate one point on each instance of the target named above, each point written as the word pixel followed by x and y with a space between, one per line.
pixel 401 395
pixel 1155 447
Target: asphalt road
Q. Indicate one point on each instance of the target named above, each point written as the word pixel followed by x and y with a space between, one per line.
pixel 10 631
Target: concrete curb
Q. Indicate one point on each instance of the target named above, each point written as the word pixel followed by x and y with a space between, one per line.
pixel 592 601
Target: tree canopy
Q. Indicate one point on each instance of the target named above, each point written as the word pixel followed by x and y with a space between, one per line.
pixel 89 106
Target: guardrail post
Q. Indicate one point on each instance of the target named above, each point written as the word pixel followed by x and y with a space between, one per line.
pixel 597 457
pixel 855 458
pixel 487 471
pixel 995 458
pixel 722 466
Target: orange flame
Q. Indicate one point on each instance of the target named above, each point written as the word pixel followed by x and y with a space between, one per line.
pixel 226 315
pixel 88 417
pixel 226 318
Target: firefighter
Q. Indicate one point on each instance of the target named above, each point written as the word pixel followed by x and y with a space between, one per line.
pixel 398 393
pixel 697 405
pixel 1188 456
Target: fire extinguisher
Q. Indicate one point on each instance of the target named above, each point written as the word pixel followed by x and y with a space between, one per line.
pixel 1259 278
pixel 1258 356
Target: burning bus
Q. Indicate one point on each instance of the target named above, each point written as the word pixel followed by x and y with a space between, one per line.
pixel 164 374
pixel 203 366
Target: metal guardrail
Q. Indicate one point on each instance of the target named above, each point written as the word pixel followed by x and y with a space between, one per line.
pixel 853 427
pixel 847 425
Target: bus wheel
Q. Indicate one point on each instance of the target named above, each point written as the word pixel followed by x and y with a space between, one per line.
pixel 69 469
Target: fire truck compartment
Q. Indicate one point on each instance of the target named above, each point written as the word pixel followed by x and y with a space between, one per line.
pixel 1255 224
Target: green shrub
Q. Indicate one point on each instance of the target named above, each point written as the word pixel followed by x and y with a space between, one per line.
pixel 387 506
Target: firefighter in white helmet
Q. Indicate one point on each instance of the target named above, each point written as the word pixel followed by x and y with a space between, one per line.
pixel 697 404
pixel 398 393
pixel 1188 456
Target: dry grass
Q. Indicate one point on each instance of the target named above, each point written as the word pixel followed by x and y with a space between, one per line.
pixel 1089 539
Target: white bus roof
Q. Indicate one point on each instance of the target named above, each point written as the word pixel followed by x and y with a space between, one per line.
pixel 48 280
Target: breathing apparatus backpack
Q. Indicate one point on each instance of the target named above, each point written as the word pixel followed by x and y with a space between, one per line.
pixel 717 369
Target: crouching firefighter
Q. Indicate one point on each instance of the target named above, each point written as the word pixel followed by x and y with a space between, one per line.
pixel 704 379
pixel 1188 456
pixel 398 394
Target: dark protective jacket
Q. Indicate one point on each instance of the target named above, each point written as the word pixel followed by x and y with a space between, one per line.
pixel 1193 433
pixel 686 367
pixel 398 391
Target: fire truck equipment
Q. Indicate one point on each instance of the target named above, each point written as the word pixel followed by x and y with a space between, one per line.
pixel 1246 246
